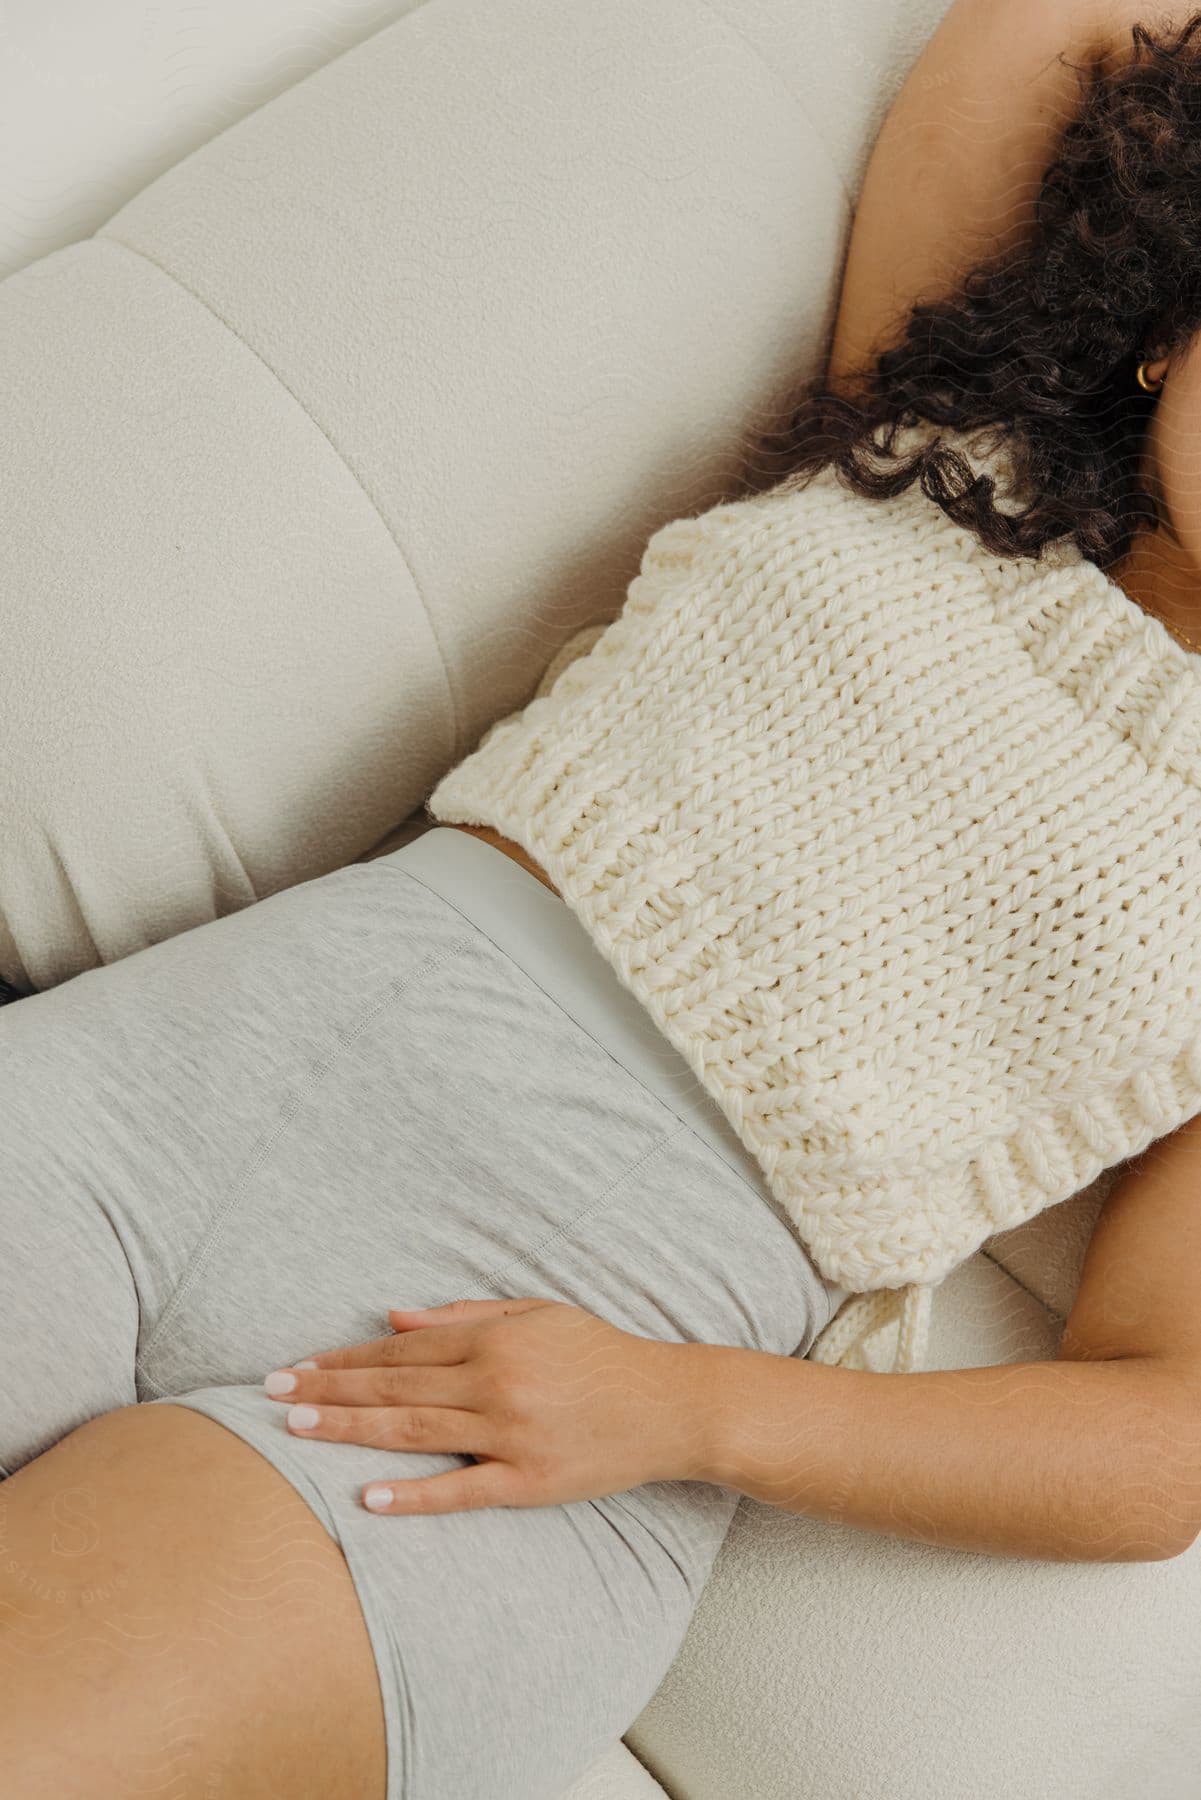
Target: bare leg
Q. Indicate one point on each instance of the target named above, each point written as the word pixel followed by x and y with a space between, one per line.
pixel 175 1621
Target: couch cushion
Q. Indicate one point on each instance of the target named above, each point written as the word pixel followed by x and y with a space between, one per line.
pixel 332 436
pixel 95 101
pixel 1045 1254
pixel 212 646
pixel 500 259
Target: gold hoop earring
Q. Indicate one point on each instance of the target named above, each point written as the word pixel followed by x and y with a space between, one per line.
pixel 1148 387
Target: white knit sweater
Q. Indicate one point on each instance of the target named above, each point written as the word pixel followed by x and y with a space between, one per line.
pixel 899 843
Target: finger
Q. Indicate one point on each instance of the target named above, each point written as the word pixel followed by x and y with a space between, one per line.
pixel 460 1490
pixel 408 1318
pixel 445 1344
pixel 386 1349
pixel 430 1384
pixel 346 1355
pixel 437 1430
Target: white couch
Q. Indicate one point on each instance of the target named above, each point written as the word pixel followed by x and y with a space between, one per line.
pixel 317 451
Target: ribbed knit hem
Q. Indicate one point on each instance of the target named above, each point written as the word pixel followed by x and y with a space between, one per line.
pixel 687 787
pixel 879 1240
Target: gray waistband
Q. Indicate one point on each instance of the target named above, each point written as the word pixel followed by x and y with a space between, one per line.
pixel 544 937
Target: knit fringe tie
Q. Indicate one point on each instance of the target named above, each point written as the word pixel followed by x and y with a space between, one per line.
pixel 850 1339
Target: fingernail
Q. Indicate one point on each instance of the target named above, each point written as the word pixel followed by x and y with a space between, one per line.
pixel 308 1363
pixel 377 1498
pixel 279 1383
pixel 303 1418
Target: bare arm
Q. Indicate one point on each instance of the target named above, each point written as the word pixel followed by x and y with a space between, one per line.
pixel 955 170
pixel 1094 1456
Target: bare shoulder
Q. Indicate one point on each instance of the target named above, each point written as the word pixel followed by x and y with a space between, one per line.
pixel 955 171
pixel 1141 1281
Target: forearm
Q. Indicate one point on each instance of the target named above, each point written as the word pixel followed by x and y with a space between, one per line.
pixel 1059 1461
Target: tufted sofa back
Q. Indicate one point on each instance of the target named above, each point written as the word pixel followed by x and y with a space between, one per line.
pixel 327 440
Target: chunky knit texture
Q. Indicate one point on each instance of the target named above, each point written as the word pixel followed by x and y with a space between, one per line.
pixel 899 844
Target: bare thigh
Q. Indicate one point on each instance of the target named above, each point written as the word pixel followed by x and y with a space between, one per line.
pixel 175 1620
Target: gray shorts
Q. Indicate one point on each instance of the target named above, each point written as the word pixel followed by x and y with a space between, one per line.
pixel 410 1080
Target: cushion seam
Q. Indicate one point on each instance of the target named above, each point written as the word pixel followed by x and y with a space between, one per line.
pixel 762 58
pixel 997 1263
pixel 109 237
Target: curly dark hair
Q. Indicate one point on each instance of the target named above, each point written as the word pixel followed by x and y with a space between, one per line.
pixel 1042 341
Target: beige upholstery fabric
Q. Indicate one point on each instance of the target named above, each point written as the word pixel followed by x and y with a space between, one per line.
pixel 95 101
pixel 338 430
pixel 314 459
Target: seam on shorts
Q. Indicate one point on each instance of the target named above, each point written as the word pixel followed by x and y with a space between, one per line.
pixel 568 1229
pixel 156 1388
pixel 765 1198
pixel 768 1200
pixel 602 1199
pixel 265 1143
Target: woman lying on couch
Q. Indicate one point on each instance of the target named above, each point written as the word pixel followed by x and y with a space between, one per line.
pixel 467 1215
